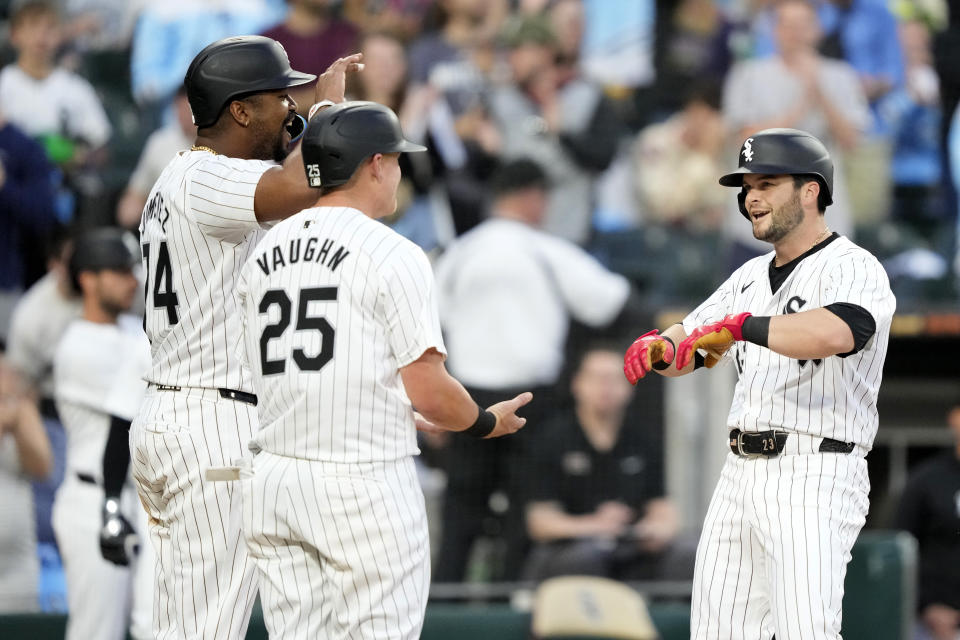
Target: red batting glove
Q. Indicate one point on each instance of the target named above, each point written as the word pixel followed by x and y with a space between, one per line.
pixel 644 352
pixel 711 335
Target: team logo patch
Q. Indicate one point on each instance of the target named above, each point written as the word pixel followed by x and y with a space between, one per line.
pixel 748 150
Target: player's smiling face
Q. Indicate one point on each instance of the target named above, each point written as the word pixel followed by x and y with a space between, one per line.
pixel 773 203
pixel 273 113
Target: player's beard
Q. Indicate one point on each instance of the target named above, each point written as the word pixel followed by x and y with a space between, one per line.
pixel 271 145
pixel 783 220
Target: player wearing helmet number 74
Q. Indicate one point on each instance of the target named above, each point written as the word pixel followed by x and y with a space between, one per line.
pixel 806 327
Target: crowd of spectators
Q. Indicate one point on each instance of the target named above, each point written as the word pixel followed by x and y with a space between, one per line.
pixel 613 120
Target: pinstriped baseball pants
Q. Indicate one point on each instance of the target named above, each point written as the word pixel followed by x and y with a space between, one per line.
pixel 342 549
pixel 775 545
pixel 206 583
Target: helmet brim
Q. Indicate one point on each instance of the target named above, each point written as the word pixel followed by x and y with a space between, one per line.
pixel 735 178
pixel 406 146
pixel 296 78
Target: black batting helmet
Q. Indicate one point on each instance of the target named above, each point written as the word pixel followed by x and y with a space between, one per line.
pixel 103 248
pixel 342 136
pixel 783 151
pixel 233 67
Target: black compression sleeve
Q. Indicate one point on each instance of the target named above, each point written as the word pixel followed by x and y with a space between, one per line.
pixel 860 321
pixel 116 457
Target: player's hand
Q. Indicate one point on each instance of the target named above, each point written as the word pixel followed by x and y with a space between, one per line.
pixel 507 419
pixel 118 541
pixel 426 426
pixel 332 83
pixel 646 351
pixel 714 338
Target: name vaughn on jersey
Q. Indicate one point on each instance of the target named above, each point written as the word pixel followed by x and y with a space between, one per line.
pixel 275 258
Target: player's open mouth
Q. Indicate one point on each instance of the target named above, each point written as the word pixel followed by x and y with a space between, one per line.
pixel 756 215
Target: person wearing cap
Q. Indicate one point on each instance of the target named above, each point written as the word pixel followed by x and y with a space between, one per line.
pixel 342 337
pixel 806 326
pixel 202 219
pixel 98 373
pixel 508 263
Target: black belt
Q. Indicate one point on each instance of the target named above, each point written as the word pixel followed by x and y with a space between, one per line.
pixel 87 478
pixel 229 394
pixel 769 444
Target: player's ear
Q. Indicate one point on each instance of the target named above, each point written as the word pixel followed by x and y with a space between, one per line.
pixel 376 166
pixel 240 112
pixel 809 193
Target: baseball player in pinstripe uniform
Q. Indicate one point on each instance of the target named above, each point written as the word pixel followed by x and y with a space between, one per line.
pixel 806 327
pixel 202 220
pixel 98 373
pixel 342 334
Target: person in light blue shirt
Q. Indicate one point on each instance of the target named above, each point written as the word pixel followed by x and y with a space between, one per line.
pixel 169 34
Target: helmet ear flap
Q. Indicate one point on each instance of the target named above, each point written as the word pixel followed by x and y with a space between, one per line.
pixel 742 202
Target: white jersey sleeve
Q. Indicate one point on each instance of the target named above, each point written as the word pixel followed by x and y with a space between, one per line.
pixel 98 371
pixel 858 278
pixel 221 193
pixel 409 307
pixel 592 293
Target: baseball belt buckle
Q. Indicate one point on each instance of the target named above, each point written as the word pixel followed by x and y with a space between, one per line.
pixel 768 444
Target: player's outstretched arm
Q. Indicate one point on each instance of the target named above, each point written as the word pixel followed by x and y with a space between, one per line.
pixel 807 335
pixel 654 351
pixel 283 191
pixel 443 402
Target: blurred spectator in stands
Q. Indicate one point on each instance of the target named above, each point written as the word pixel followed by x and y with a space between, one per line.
pixel 953 163
pixel 801 89
pixel 506 292
pixel 694 48
pixel 913 112
pixel 24 455
pixel 618 52
pixel 402 18
pixel 101 25
pixel 946 50
pixel 38 322
pixel 930 510
pixel 384 80
pixel 26 203
pixel 314 36
pixel 162 145
pixel 171 32
pixel 564 122
pixel 597 504
pixel 53 105
pixel 449 70
pixel 864 34
pixel 688 144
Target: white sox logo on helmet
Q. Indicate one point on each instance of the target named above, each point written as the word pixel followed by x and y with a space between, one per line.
pixel 748 150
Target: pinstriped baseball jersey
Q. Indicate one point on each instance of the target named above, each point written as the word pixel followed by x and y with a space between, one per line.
pixel 835 397
pixel 98 373
pixel 334 304
pixel 198 228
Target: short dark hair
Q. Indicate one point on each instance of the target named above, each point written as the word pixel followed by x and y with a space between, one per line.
pixel 800 178
pixel 518 175
pixel 32 9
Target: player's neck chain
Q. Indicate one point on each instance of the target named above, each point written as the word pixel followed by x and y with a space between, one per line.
pixel 820 238
pixel 200 147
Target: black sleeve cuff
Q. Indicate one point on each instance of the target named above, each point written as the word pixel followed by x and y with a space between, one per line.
pixel 861 323
pixel 116 457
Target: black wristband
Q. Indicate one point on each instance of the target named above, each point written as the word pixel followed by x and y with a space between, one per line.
pixel 660 365
pixel 484 424
pixel 756 329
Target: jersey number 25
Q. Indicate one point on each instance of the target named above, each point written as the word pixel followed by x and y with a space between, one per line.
pixel 305 322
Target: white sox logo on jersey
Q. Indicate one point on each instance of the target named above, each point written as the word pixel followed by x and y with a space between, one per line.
pixel 794 305
pixel 748 150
